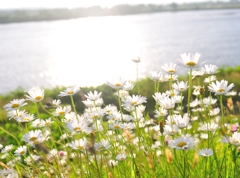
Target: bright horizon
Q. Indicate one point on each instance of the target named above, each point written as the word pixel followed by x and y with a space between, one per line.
pixel 20 4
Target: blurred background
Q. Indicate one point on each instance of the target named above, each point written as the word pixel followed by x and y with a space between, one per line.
pixel 50 43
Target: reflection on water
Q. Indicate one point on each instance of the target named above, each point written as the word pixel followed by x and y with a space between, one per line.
pixel 89 51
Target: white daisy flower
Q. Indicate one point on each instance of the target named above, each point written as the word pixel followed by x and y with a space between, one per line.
pixel 205 152
pixel 121 157
pixel 116 83
pixel 112 163
pixel 134 100
pixel 190 60
pixel 210 79
pixel 180 86
pixel 136 59
pixel 35 94
pixel 157 76
pixel 7 148
pixel 220 88
pixel 235 139
pixel 80 144
pixel 167 103
pixel 169 77
pixel 209 101
pixel 22 150
pixel 56 102
pixel 197 73
pixel 33 137
pixel 128 85
pixel 69 91
pixel 170 68
pixel 93 96
pixel 180 121
pixel 60 111
pixel 14 104
pixel 184 142
pixel 210 69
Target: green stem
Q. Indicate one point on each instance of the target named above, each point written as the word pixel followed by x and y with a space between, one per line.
pixel 189 90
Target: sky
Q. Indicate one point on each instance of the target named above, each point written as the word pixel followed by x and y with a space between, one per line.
pixel 19 4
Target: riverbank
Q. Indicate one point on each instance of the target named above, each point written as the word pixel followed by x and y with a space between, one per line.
pixel 30 15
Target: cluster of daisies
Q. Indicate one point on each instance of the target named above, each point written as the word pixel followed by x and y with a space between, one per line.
pixel 107 134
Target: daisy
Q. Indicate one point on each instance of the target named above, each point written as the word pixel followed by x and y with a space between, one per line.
pixel 209 101
pixel 235 139
pixel 184 142
pixel 80 144
pixel 167 103
pixel 22 150
pixel 220 88
pixel 77 125
pixel 33 137
pixel 26 117
pixel 169 77
pixel 93 96
pixel 134 100
pixel 69 91
pixel 102 145
pixel 7 148
pixel 157 76
pixel 128 85
pixel 205 152
pixel 180 121
pixel 35 94
pixel 116 84
pixel 56 102
pixel 210 79
pixel 160 112
pixel 31 158
pixel 99 102
pixel 136 59
pixel 197 73
pixel 88 103
pixel 112 163
pixel 180 86
pixel 170 129
pixel 231 93
pixel 170 69
pixel 15 113
pixel 189 60
pixel 210 69
pixel 14 104
pixel 60 111
pixel 121 157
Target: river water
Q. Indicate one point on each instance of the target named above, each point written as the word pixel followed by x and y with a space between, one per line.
pixel 89 51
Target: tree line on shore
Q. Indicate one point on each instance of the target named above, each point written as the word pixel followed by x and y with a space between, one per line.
pixel 25 15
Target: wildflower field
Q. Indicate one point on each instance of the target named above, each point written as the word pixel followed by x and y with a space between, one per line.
pixel 192 132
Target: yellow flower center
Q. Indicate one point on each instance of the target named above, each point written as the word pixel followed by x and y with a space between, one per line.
pixel 61 113
pixel 22 152
pixel 181 144
pixel 70 92
pixel 80 147
pixel 38 97
pixel 95 116
pixel 26 119
pixel 133 103
pixel 221 90
pixel 33 138
pixel 116 127
pixel 77 128
pixel 171 71
pixel 118 85
pixel 15 105
pixel 236 141
pixel 192 64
